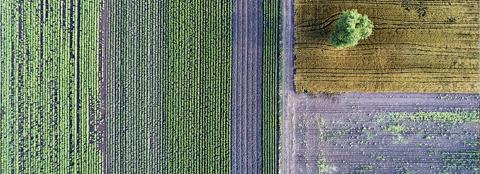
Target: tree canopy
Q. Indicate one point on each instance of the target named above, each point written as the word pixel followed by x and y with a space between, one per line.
pixel 350 28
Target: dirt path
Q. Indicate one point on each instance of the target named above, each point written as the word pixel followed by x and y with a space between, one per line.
pixel 246 133
pixel 103 59
pixel 288 95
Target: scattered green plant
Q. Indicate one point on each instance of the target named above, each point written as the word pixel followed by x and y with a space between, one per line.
pixel 323 167
pixel 398 129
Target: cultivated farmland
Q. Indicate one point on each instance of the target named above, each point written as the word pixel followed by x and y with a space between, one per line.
pixel 255 78
pixel 370 132
pixel 193 86
pixel 169 73
pixel 50 87
pixel 387 133
pixel 139 86
pixel 416 46
pixel 271 85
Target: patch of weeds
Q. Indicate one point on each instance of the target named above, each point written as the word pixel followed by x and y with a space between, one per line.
pixel 321 129
pixel 406 5
pixel 423 145
pixel 356 131
pixel 303 143
pixel 337 133
pixel 413 5
pixel 451 20
pixel 323 167
pixel 366 168
pixel 472 143
pixel 397 129
pixel 448 117
pixel 380 158
pixel 300 130
pixel 461 161
pixel 380 120
pixel 428 137
pixel 332 96
pixel 400 140
pixel 370 136
pixel 403 170
pixel 322 162
pixel 452 117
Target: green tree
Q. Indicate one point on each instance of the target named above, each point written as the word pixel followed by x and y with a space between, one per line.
pixel 350 28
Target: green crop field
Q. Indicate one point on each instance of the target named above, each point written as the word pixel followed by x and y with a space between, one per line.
pixel 49 87
pixel 169 72
pixel 114 86
pixel 271 80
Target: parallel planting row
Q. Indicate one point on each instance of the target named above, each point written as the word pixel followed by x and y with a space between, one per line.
pixel 271 81
pixel 49 87
pixel 169 68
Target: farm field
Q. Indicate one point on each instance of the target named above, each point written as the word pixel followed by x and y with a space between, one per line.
pixel 387 133
pixel 416 46
pixel 341 131
pixel 50 87
pixel 237 86
pixel 169 75
pixel 255 80
pixel 171 99
pixel 139 87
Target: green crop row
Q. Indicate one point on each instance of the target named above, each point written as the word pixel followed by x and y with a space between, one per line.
pixel 271 79
pixel 49 87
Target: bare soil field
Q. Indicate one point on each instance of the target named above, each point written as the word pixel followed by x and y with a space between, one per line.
pixel 246 125
pixel 416 46
pixel 361 133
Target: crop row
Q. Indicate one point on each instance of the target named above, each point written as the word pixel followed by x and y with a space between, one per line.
pixel 271 71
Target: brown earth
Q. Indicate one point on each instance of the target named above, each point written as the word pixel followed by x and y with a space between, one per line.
pixel 417 46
